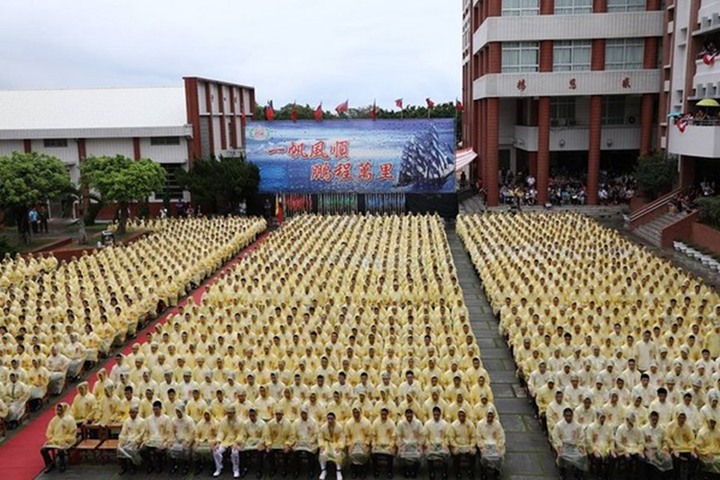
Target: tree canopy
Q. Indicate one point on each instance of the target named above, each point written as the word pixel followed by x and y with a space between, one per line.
pixel 122 180
pixel 220 183
pixel 30 178
pixel 306 112
pixel 655 174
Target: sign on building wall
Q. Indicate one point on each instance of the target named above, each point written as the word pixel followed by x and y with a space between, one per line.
pixel 362 156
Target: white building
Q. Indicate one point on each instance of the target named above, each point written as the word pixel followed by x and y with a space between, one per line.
pixel 170 125
pixel 691 72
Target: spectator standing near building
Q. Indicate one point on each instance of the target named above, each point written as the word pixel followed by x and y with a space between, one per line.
pixel 34 218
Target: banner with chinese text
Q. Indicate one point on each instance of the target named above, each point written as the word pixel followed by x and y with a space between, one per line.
pixel 362 156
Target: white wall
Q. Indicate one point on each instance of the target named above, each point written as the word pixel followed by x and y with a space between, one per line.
pixel 68 155
pixel 577 138
pixel 696 141
pixel 706 79
pixel 568 27
pixel 164 153
pixel 7 147
pixel 110 147
pixel 555 84
pixel 679 54
pixel 709 14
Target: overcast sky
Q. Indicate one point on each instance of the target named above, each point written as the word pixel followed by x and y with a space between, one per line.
pixel 303 50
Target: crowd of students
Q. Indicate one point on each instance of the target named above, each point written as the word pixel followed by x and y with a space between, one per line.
pixel 618 348
pixel 56 317
pixel 566 189
pixel 340 340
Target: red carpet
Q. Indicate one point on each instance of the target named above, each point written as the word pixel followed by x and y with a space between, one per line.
pixel 20 455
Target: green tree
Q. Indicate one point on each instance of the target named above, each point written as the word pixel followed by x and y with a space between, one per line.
pixel 307 112
pixel 122 180
pixel 656 174
pixel 30 178
pixel 220 183
pixel 710 210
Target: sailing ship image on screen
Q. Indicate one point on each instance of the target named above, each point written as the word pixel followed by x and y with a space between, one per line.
pixel 425 160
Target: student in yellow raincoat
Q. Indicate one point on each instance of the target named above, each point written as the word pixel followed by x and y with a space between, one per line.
pixel 332 446
pixel 60 436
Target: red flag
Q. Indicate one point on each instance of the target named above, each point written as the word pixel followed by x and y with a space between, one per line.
pixel 343 107
pixel 373 111
pixel 319 113
pixel 682 123
pixel 430 103
pixel 459 106
pixel 293 113
pixel 709 58
pixel 279 210
pixel 399 103
pixel 269 112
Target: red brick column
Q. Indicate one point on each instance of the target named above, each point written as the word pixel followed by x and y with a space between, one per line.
pixel 543 154
pixel 492 141
pixel 593 173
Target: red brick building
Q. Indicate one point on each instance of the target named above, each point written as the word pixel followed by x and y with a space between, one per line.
pixel 559 83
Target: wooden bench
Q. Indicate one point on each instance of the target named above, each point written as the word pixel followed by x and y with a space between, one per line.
pixel 91 437
pixel 107 450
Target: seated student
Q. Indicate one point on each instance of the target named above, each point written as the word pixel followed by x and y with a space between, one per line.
pixel 680 442
pixel 305 441
pixel 16 397
pixel 278 440
pixel 358 433
pixel 60 435
pixel 707 445
pixel 205 435
pixel 228 431
pixel 437 448
pixel 130 440
pixel 383 441
pixel 156 438
pixel 410 439
pixel 331 441
pixel 491 445
pixel 629 445
pixel 252 442
pixel 182 437
pixel 656 456
pixel 569 442
pixel 462 441
pixel 83 404
pixel 599 443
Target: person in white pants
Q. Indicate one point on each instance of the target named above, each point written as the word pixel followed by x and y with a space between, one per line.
pixel 228 434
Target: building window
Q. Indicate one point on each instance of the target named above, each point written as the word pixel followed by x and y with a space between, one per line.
pixel 562 112
pixel 517 8
pixel 164 140
pixel 624 54
pixel 620 109
pixel 519 57
pixel 172 186
pixel 613 110
pixel 614 6
pixel 571 55
pixel 55 142
pixel 573 7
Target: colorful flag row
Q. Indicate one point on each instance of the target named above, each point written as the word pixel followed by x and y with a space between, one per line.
pixel 345 106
